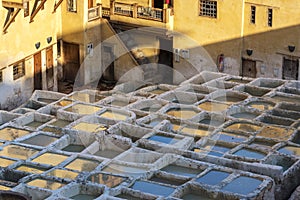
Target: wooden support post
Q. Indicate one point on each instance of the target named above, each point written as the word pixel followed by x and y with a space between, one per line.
pixel 100 9
pixel 56 5
pixel 164 15
pixel 11 19
pixel 10 11
pixel 34 12
pixel 112 7
pixel 135 9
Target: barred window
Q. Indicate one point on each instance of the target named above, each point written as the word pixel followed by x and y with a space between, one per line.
pixel 270 17
pixel 1 76
pixel 19 70
pixel 72 5
pixel 208 8
pixel 253 14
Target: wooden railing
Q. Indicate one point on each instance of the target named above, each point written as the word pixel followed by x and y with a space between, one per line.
pixel 130 10
pixel 150 13
pixel 123 9
pixel 136 11
pixel 94 13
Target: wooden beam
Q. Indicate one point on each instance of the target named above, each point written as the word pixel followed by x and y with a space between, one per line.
pixel 12 4
pixel 11 19
pixel 35 5
pixel 9 13
pixel 56 5
pixel 36 9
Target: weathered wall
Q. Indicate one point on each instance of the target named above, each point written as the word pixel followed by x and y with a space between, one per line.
pixel 270 44
pixel 14 93
pixel 232 33
pixel 78 29
pixel 73 23
pixel 197 31
pixel 21 36
pixel 124 62
pixel 18 44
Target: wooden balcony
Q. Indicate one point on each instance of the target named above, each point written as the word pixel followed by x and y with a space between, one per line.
pixel 132 13
pixel 94 13
pixel 14 3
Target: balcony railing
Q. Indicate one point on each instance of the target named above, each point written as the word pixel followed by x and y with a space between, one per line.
pixel 137 11
pixel 94 13
pixel 123 9
pixel 150 13
pixel 130 10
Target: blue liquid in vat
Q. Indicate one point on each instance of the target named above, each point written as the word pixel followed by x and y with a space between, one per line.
pixel 249 154
pixel 213 177
pixel 242 185
pixel 153 188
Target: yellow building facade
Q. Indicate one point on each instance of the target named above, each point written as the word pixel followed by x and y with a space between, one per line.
pixel 27 34
pixel 255 38
pixel 47 41
pixel 252 38
pixel 44 42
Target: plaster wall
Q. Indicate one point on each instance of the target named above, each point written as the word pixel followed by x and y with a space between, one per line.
pixel 232 33
pixel 18 43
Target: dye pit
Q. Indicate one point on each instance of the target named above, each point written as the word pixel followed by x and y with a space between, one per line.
pixel 189 141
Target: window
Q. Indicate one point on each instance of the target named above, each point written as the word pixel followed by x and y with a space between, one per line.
pixel 1 76
pixel 253 13
pixel 208 8
pixel 72 5
pixel 19 70
pixel 270 17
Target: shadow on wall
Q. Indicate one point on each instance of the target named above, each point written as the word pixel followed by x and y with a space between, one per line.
pixel 269 52
pixel 270 57
pixel 269 49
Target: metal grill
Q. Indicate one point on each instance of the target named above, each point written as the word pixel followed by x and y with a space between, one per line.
pixel 19 70
pixel 270 17
pixel 253 13
pixel 208 8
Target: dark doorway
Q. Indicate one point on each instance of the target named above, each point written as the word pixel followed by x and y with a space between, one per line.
pixel 158 4
pixel 37 71
pixel 290 69
pixel 71 61
pixel 249 68
pixel 108 64
pixel 165 59
pixel 49 68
